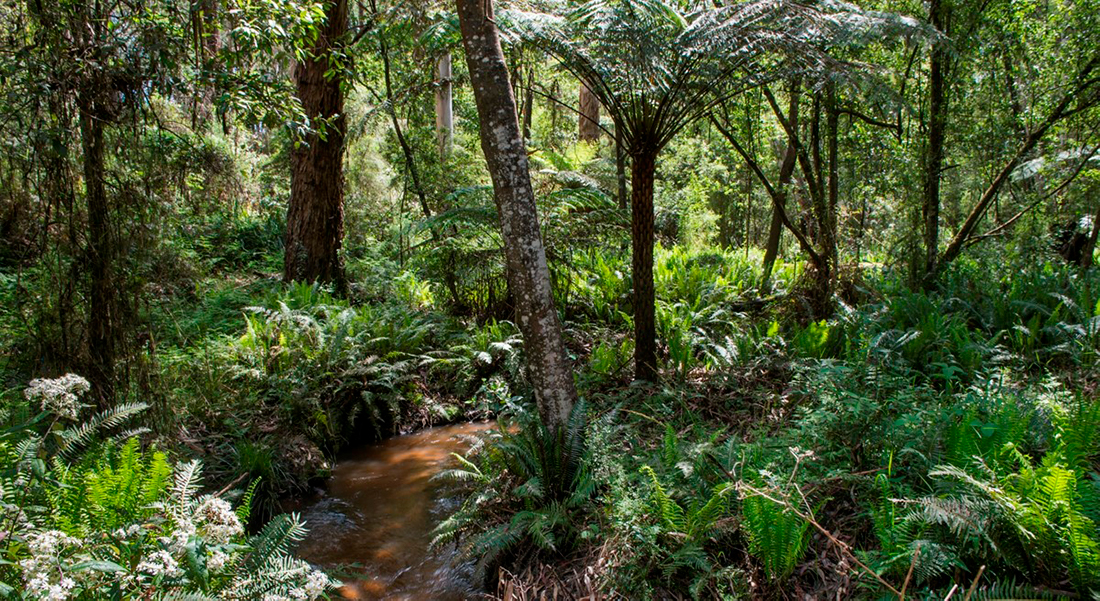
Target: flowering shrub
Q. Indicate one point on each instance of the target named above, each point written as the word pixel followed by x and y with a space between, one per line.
pixel 115 522
pixel 60 396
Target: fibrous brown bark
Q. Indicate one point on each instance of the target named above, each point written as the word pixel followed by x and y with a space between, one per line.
pixel 588 121
pixel 315 218
pixel 642 175
pixel 934 153
pixel 101 339
pixel 548 365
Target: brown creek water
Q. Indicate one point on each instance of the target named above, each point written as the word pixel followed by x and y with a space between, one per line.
pixel 378 514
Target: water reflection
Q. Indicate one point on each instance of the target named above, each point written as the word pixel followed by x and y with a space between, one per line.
pixel 379 512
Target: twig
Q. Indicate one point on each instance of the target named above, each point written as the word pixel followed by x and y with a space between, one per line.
pixel 951 593
pixel 829 535
pixel 231 485
pixel 974 585
pixel 909 574
pixel 640 414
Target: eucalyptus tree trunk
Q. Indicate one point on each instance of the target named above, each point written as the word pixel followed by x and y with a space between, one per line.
pixel 588 121
pixel 786 172
pixel 101 297
pixel 1090 246
pixel 315 217
pixel 934 154
pixel 642 174
pixel 548 366
pixel 444 107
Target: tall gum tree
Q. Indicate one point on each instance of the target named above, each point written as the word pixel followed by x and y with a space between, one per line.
pixel 315 217
pixel 548 366
pixel 588 119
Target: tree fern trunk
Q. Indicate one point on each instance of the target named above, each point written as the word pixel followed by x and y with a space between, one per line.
pixel 643 173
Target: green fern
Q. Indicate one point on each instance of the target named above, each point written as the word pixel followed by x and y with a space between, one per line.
pixel 1039 520
pixel 113 488
pixel 536 480
pixel 74 440
pixel 777 536
pixel 699 520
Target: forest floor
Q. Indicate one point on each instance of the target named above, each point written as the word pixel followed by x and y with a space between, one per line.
pixel 777 455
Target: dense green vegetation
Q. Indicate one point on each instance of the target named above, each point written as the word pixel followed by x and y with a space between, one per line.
pixel 850 246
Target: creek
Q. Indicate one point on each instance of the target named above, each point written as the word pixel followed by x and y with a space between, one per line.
pixel 378 514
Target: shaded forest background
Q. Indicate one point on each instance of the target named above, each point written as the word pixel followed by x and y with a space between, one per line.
pixel 838 255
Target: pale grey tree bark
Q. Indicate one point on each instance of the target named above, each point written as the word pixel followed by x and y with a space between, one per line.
pixel 548 366
pixel 444 106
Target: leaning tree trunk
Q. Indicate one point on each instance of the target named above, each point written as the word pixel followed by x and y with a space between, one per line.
pixel 548 365
pixel 588 122
pixel 101 340
pixel 775 230
pixel 643 171
pixel 786 173
pixel 315 218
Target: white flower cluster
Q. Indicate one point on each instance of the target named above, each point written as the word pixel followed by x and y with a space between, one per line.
pixel 160 563
pixel 128 532
pixel 158 544
pixel 216 521
pixel 315 584
pixel 182 532
pixel 217 561
pixel 60 396
pixel 42 570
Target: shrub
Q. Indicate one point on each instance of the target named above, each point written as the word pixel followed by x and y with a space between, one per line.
pixel 121 523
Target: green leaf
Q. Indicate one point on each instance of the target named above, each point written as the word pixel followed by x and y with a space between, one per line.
pixel 98 566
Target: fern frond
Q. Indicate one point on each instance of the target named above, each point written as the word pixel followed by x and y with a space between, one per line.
pixel 78 438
